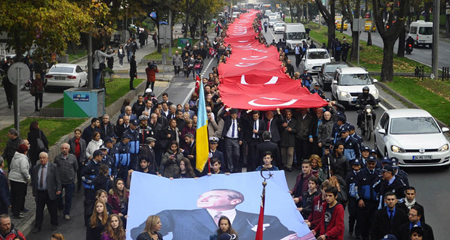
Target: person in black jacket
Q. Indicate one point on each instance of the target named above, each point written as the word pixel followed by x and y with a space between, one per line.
pixel 272 147
pixel 410 201
pixel 390 183
pixel 388 219
pixel 133 71
pixel 252 133
pixel 106 127
pixel 33 136
pixel 233 138
pixel 415 221
pixel 97 221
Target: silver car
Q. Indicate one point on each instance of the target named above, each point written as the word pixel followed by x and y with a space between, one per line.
pixel 414 137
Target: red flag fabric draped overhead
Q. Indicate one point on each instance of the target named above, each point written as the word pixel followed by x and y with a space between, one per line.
pixel 253 76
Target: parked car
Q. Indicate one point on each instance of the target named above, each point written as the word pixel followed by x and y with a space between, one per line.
pixel 279 27
pixel 369 26
pixel 314 59
pixel 326 73
pixel 348 83
pixel 414 137
pixel 65 76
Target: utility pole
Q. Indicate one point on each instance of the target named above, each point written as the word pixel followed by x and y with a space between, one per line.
pixel 170 27
pixel 435 53
pixel 90 70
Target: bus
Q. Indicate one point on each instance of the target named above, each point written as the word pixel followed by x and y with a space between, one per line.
pixel 267 7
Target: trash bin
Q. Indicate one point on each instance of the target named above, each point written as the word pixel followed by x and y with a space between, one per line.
pixel 183 41
pixel 82 102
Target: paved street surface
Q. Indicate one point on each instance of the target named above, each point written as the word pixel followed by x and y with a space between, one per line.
pixel 421 54
pixel 429 183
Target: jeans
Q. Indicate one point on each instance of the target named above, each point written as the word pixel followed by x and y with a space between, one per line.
pixel 198 71
pixel 67 204
pixel 38 99
pixel 98 74
pixel 121 61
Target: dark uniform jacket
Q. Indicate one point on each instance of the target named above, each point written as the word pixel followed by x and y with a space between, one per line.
pixel 381 224
pixel 406 228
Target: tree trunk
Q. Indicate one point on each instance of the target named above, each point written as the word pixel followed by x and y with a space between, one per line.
pixel 299 12
pixel 355 46
pixel 186 23
pixel 369 38
pixel 292 15
pixel 387 68
pixel 401 43
pixel 331 25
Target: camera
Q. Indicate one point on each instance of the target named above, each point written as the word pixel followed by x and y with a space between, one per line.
pixel 152 65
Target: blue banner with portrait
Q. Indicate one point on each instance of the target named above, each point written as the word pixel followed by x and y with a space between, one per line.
pixel 188 207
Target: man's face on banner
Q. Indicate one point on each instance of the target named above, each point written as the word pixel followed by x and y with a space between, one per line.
pixel 217 200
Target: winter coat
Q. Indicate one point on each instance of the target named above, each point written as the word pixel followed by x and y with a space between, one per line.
pixel 171 167
pixel 20 168
pixel 92 146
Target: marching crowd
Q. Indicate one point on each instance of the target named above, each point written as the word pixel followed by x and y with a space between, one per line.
pixel 338 171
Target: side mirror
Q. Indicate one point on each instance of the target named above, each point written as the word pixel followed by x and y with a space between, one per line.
pixel 375 80
pixel 445 129
pixel 382 131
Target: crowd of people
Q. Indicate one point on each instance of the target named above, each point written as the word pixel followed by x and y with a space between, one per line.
pixel 338 171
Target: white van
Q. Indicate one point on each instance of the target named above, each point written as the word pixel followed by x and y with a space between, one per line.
pixel 422 33
pixel 294 33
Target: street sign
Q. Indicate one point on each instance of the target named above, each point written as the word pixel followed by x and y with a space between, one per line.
pixel 164 34
pixel 358 24
pixel 18 73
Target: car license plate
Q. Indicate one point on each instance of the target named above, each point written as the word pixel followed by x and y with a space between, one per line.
pixel 60 78
pixel 421 41
pixel 420 157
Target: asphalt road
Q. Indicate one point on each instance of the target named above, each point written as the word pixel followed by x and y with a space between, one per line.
pixel 420 54
pixel 431 184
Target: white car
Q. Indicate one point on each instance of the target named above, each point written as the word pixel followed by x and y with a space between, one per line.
pixel 65 76
pixel 272 20
pixel 314 59
pixel 279 27
pixel 348 83
pixel 414 137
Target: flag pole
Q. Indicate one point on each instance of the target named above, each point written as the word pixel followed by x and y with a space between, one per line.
pixel 260 227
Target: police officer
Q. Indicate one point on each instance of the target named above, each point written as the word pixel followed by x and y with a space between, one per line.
pixel 353 134
pixel 108 160
pixel 344 48
pixel 367 197
pixel 365 153
pixel 364 99
pixel 390 183
pixel 265 26
pixel 351 180
pixel 351 147
pixel 340 124
pixel 398 172
pixel 306 78
pixel 317 90
pixel 123 156
pixel 133 144
pixel 90 171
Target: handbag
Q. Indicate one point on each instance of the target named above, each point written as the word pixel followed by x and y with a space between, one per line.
pixel 40 143
pixel 197 66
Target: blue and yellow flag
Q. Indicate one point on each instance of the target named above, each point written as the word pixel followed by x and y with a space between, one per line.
pixel 201 136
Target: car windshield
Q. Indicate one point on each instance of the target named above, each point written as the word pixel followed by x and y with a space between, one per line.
pixel 318 55
pixel 332 67
pixel 296 35
pixel 279 25
pixel 355 79
pixel 61 69
pixel 414 125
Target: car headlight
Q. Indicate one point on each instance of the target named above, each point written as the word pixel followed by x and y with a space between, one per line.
pixel 443 148
pixel 374 92
pixel 345 94
pixel 397 149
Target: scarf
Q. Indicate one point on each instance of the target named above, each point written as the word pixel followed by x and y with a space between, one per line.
pixel 410 204
pixel 77 148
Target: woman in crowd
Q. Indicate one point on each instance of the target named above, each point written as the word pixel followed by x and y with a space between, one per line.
pixel 78 148
pixel 118 198
pixel 224 228
pixel 152 226
pixel 126 102
pixel 267 159
pixel 93 145
pixel 121 55
pixel 33 135
pixel 186 59
pixel 103 180
pixel 97 221
pixel 198 66
pixel 114 229
pixel 190 67
pixel 316 165
pixel 172 133
pixel 38 88
pixel 171 161
pixel 102 196
pixel 186 170
pixel 19 176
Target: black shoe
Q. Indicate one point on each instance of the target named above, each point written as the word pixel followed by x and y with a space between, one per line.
pixel 36 110
pixel 36 230
pixel 20 216
pixel 358 236
pixel 350 233
pixel 54 227
pixel 9 106
pixel 132 88
pixel 25 210
pixel 289 169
